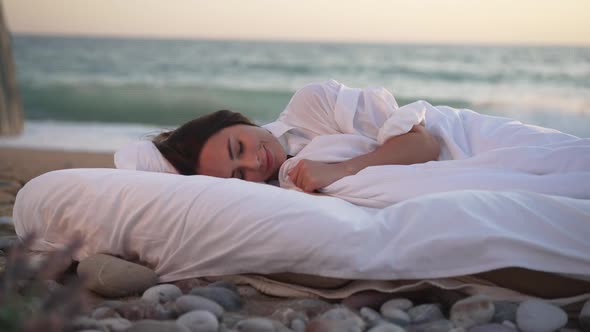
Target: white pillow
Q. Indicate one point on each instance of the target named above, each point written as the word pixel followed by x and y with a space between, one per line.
pixel 192 226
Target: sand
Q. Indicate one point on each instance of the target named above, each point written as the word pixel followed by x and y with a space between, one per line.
pixel 24 164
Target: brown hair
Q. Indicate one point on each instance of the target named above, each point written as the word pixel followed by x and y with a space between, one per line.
pixel 182 146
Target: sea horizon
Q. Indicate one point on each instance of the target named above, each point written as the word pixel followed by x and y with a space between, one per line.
pixel 303 41
pixel 89 82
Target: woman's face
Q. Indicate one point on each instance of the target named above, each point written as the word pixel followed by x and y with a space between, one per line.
pixel 244 152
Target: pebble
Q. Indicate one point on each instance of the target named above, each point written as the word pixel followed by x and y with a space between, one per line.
pixel 326 325
pixel 584 317
pixel 510 324
pixel 286 315
pixel 156 326
pixel 425 313
pixel 472 311
pixel 6 220
pixel 386 327
pixel 225 284
pixel 298 325
pixel 441 325
pixel 85 323
pixel 199 321
pixel 258 324
pixel 225 297
pixel 504 311
pixel 370 316
pixel 400 303
pixel 345 315
pixel 539 316
pixel 142 309
pixel 162 293
pixel 495 327
pixel 116 324
pixel 110 276
pixel 396 316
pixel 188 303
pixel 104 312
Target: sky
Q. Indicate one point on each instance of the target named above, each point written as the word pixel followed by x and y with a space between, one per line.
pixel 555 22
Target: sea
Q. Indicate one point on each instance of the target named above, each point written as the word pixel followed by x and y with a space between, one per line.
pixel 97 94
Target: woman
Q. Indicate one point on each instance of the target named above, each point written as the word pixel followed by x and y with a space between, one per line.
pixel 335 131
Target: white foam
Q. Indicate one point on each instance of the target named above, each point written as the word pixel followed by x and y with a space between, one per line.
pixel 78 136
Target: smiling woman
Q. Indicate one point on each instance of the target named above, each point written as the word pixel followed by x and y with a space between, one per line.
pixel 251 153
pixel 183 146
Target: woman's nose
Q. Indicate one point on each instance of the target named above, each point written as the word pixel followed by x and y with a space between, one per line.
pixel 250 161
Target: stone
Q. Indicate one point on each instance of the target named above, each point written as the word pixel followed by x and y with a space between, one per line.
pixel 327 325
pixel 458 329
pixel 230 319
pixel 85 323
pixel 116 324
pixel 396 316
pixel 104 312
pixel 298 325
pixel 258 324
pixel 110 276
pixel 441 325
pixel 199 321
pixel 142 309
pixel 539 316
pixel 494 327
pixel 188 303
pixel 162 293
pixel 351 319
pixel 386 327
pixel 504 310
pixel 510 324
pixel 370 316
pixel 399 303
pixel 225 297
pixel 472 311
pixel 225 284
pixel 286 314
pixel 311 307
pixel 156 326
pixel 584 317
pixel 425 313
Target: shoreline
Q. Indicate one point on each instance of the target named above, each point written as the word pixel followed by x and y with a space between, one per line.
pixel 23 164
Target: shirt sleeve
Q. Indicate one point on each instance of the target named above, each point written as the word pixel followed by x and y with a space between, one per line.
pixel 333 108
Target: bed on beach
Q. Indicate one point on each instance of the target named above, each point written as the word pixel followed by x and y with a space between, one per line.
pixel 198 226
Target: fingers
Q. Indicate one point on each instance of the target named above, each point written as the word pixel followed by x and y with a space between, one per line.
pixel 300 176
pixel 294 174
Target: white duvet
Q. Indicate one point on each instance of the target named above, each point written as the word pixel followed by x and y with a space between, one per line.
pixel 479 152
pixel 192 226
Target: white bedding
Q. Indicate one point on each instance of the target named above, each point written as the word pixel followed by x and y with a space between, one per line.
pixel 479 152
pixel 195 226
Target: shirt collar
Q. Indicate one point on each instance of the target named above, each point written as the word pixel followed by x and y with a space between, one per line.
pixel 278 130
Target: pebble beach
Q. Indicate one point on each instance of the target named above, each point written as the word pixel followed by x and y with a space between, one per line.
pixel 112 303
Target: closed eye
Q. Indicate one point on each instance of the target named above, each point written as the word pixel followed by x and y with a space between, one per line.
pixel 240 148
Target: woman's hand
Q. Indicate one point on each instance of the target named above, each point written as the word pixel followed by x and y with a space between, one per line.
pixel 416 146
pixel 312 175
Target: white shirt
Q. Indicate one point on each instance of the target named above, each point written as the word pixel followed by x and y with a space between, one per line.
pixel 331 108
